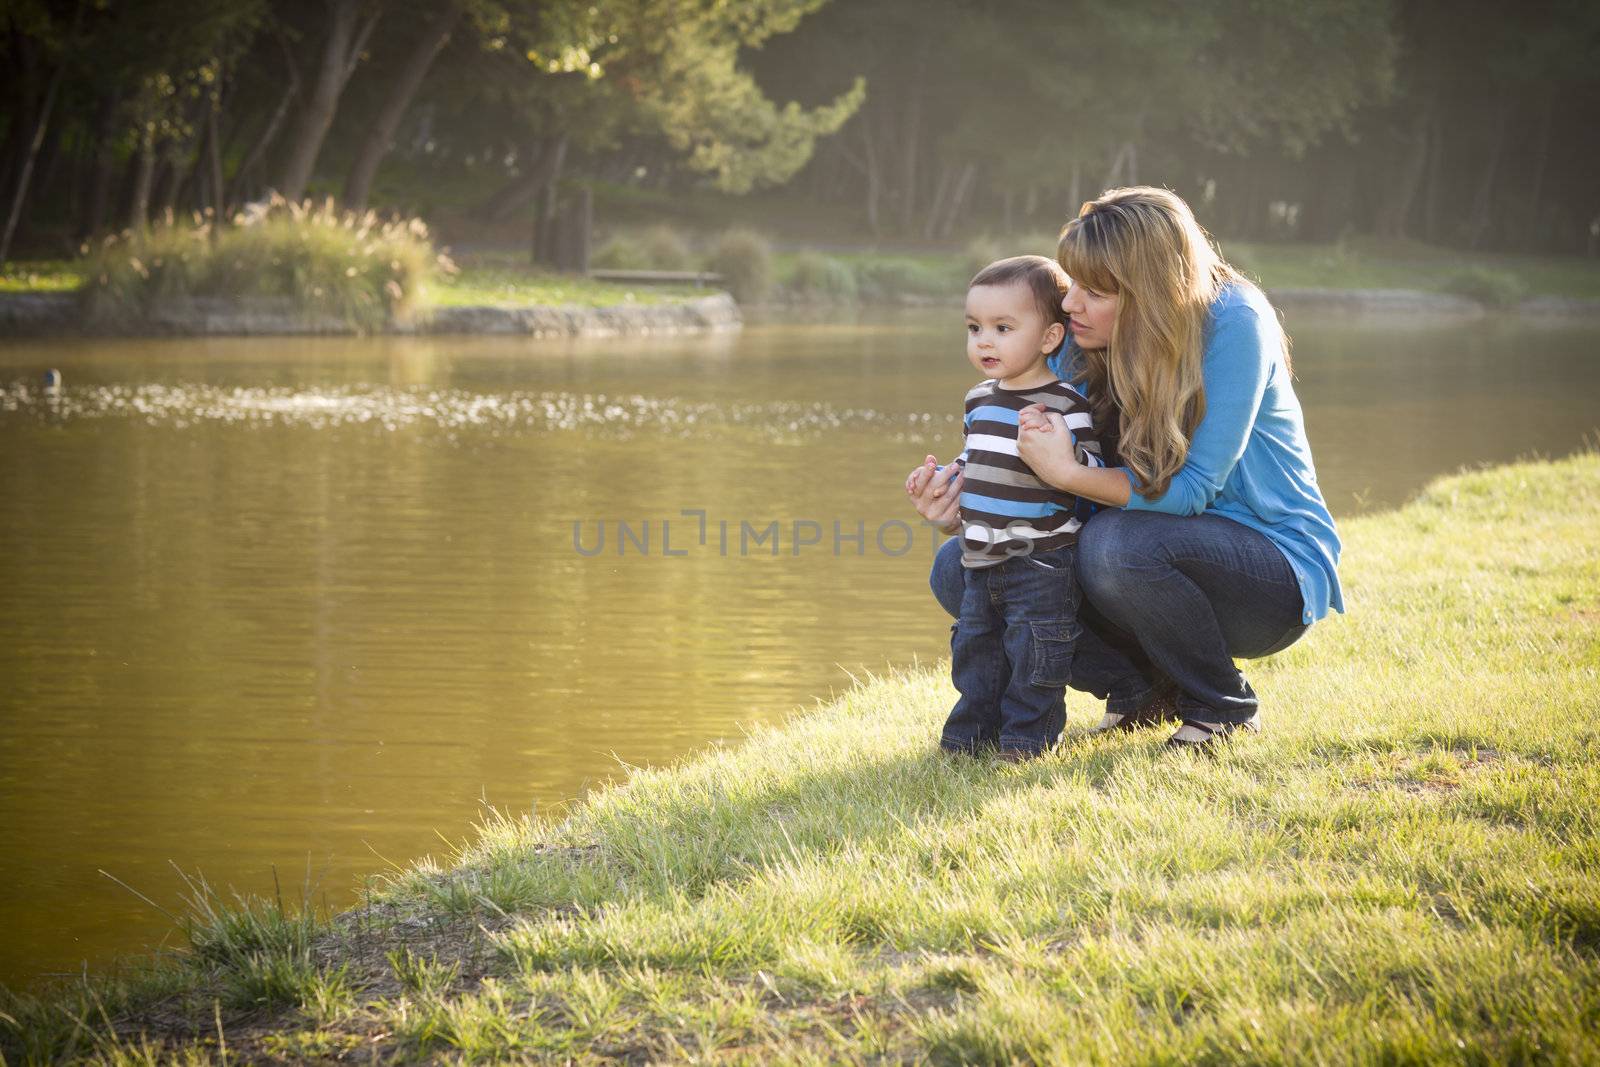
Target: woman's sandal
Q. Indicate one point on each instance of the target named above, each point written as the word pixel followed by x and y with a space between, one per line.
pixel 1194 734
pixel 1163 707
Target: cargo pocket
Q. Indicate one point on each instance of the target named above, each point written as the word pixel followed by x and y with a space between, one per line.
pixel 1052 644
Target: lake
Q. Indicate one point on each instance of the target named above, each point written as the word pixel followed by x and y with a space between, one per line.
pixel 307 606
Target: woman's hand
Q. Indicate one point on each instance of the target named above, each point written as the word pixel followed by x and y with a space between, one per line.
pixel 1049 450
pixel 1047 447
pixel 936 493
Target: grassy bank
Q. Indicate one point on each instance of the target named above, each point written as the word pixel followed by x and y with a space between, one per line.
pixel 506 280
pixel 849 275
pixel 1404 868
pixel 486 282
pixel 1496 280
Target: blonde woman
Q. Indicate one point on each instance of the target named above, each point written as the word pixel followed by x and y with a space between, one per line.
pixel 1216 543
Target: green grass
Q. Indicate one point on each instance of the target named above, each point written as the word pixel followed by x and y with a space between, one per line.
pixel 1364 263
pixel 40 276
pixel 512 286
pixel 494 280
pixel 1403 868
pixel 882 276
pixel 1355 264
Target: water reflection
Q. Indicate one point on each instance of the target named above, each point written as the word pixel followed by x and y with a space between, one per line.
pixel 305 603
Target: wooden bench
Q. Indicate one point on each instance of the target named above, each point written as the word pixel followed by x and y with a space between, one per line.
pixel 697 278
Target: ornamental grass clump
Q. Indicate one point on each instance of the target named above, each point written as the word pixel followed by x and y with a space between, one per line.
pixel 361 270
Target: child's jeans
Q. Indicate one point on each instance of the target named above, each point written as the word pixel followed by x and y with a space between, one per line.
pixel 1011 652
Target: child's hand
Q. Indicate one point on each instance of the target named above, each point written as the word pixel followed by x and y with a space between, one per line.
pixel 919 476
pixel 1035 417
pixel 936 492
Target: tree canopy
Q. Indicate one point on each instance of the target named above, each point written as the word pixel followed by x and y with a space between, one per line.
pixel 1456 121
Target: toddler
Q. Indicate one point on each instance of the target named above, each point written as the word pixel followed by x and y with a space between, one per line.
pixel 1013 642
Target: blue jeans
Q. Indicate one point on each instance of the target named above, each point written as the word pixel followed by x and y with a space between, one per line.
pixel 1169 599
pixel 1011 652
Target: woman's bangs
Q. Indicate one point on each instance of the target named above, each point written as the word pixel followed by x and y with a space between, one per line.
pixel 1085 259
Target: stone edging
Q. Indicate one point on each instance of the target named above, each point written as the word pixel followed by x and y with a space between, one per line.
pixel 46 314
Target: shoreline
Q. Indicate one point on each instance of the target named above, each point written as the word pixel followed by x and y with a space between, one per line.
pixel 831 890
pixel 59 314
pixel 1364 301
pixel 43 313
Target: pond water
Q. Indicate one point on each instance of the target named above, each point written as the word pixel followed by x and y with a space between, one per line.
pixel 305 606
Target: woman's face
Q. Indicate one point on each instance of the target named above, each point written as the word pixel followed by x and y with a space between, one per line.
pixel 1090 315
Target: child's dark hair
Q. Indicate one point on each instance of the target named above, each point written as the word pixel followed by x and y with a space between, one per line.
pixel 1043 276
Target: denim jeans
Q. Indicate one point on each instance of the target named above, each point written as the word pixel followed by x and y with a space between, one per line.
pixel 1169 599
pixel 1011 652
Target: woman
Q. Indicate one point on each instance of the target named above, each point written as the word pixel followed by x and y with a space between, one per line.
pixel 1217 543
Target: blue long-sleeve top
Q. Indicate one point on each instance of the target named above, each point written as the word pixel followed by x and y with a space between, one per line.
pixel 1249 459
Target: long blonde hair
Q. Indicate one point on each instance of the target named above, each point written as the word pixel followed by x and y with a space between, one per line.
pixel 1144 244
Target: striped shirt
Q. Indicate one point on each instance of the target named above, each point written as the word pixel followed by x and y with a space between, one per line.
pixel 1005 509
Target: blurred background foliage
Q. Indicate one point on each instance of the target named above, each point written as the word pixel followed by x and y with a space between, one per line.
pixel 902 124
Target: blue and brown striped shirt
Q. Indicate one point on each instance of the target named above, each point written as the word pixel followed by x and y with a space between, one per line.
pixel 1005 509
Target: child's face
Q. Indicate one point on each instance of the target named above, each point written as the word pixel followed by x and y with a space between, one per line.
pixel 1007 337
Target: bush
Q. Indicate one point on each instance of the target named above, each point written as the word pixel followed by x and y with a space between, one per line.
pixel 823 278
pixel 889 280
pixel 744 259
pixel 356 268
pixel 982 251
pixel 665 249
pixel 1489 287
pixel 656 248
pixel 619 252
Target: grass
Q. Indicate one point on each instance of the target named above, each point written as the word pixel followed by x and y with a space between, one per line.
pixel 846 275
pixel 358 269
pixel 1365 263
pixel 481 280
pixel 503 284
pixel 40 276
pixel 1404 868
pixel 1495 279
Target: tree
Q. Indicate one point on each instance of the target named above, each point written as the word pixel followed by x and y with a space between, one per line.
pixel 433 36
pixel 348 25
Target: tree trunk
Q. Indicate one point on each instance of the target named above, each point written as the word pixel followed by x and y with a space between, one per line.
pixel 958 198
pixel 930 225
pixel 218 196
pixel 341 51
pixel 1541 158
pixel 97 208
pixel 167 182
pixel 874 178
pixel 1435 182
pixel 144 174
pixel 1118 161
pixel 544 243
pixel 1395 212
pixel 29 157
pixel 1480 218
pixel 380 136
pixel 243 177
pixel 912 145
